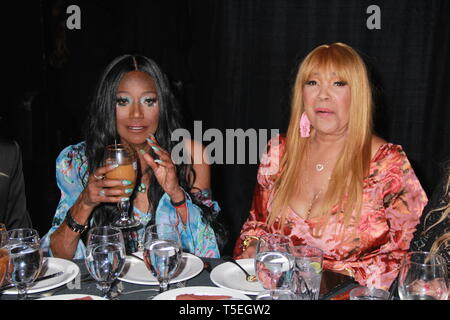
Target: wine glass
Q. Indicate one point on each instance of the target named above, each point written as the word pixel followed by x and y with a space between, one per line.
pixel 105 256
pixel 124 156
pixel 25 259
pixel 162 252
pixel 423 276
pixel 274 263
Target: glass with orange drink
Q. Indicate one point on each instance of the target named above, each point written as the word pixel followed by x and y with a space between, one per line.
pixel 124 156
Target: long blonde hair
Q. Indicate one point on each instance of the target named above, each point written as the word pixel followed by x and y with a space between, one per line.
pixel 346 184
pixel 444 239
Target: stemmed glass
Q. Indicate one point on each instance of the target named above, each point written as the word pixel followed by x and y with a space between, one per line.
pixel 124 156
pixel 105 256
pixel 162 252
pixel 274 263
pixel 25 259
pixel 423 276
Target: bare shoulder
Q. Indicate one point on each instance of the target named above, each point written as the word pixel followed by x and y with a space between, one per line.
pixel 377 142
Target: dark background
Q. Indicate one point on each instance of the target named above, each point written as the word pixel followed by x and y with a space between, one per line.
pixel 236 61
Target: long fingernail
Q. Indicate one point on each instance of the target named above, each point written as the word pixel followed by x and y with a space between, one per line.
pixel 155 148
pixel 159 161
pixel 126 182
pixel 142 151
pixel 113 166
pixel 149 140
pixel 128 190
pixel 124 199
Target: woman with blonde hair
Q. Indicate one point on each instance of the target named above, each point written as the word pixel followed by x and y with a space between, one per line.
pixel 331 183
pixel 433 232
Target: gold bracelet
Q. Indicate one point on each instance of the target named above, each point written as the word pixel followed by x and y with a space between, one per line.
pixel 350 271
pixel 247 241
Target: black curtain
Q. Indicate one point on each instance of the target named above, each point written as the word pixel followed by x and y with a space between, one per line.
pixel 234 62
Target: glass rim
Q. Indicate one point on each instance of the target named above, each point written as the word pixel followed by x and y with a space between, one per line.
pixel 268 236
pixel 23 229
pixel 118 146
pixel 309 247
pixel 441 261
pixel 161 224
pixel 118 231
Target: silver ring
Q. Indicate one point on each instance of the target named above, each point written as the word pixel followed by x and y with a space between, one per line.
pixel 99 178
pixel 101 193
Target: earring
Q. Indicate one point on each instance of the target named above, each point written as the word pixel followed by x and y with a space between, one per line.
pixel 305 126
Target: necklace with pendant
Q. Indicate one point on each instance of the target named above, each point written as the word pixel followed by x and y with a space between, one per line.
pixel 320 166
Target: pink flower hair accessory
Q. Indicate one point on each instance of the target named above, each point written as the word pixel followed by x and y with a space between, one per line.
pixel 305 125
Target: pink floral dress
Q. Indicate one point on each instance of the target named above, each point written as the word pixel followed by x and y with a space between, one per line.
pixel 393 200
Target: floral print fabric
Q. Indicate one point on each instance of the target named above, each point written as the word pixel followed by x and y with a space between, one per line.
pixel 71 175
pixel 393 200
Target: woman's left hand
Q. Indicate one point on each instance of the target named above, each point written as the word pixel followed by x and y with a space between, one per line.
pixel 164 170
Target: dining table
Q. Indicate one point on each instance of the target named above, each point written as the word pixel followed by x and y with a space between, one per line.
pixel 84 284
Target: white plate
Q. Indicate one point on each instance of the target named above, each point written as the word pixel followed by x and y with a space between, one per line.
pixel 71 297
pixel 210 291
pixel 228 275
pixel 52 265
pixel 136 272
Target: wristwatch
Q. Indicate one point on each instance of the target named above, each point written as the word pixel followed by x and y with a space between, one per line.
pixel 79 228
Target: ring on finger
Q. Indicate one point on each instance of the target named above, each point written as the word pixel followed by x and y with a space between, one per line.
pixel 101 193
pixel 99 178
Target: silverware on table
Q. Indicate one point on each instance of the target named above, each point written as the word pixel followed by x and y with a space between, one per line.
pixel 53 275
pixel 137 257
pixel 249 277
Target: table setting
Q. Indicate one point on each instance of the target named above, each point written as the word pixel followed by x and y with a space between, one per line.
pixel 162 271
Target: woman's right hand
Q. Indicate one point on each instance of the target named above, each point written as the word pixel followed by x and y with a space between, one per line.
pixel 99 188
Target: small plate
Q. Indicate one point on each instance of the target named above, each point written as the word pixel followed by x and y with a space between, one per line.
pixel 52 265
pixel 204 291
pixel 72 297
pixel 228 275
pixel 136 272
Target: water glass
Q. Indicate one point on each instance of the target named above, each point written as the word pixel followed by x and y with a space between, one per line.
pixel 274 263
pixel 23 235
pixel 423 276
pixel 25 259
pixel 162 252
pixel 308 271
pixel 105 256
pixel 365 293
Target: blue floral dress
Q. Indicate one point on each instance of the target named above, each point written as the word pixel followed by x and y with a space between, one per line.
pixel 71 175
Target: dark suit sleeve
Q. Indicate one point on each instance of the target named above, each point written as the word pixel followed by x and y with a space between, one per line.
pixel 16 208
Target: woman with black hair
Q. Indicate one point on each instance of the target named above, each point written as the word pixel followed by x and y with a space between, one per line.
pixel 133 104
